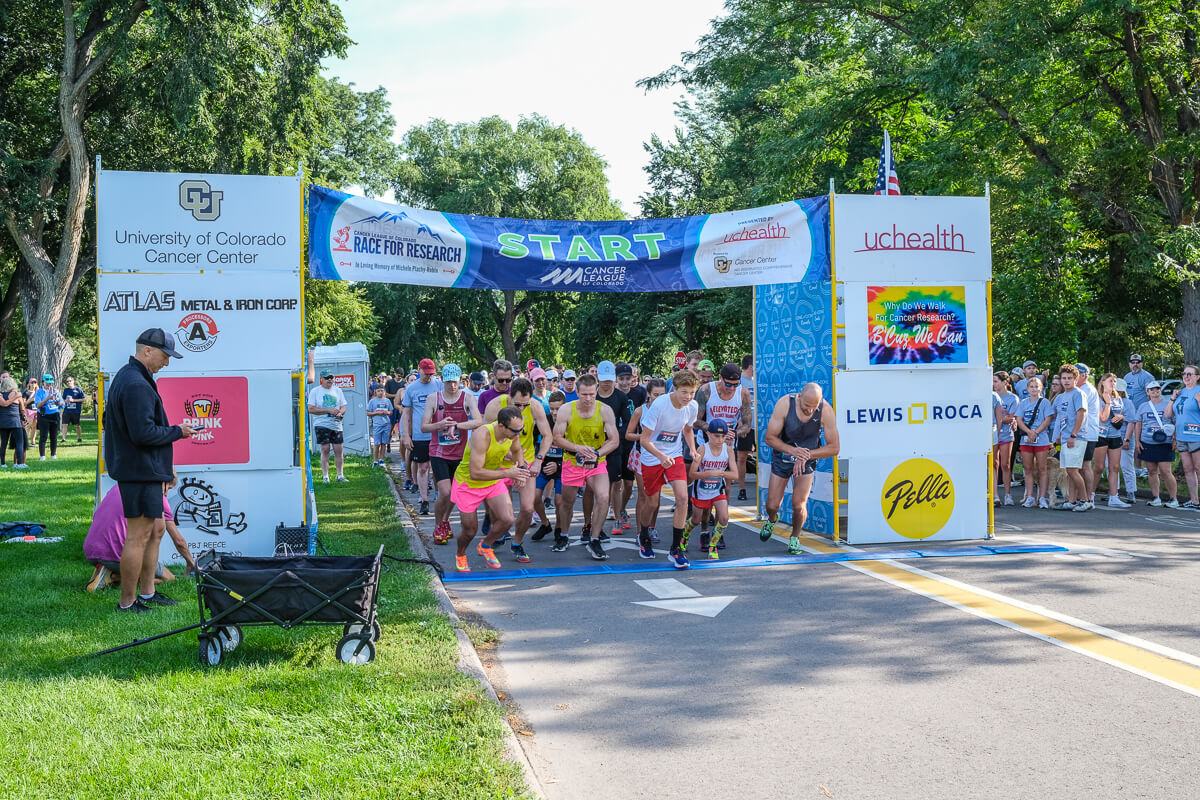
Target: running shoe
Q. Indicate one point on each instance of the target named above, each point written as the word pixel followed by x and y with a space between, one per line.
pixel 1156 502
pixel 1172 503
pixel 158 599
pixel 424 509
pixel 442 533
pixel 713 555
pixel 561 543
pixel 625 523
pixel 720 543
pixel 1030 502
pixel 794 546
pixel 408 485
pixel 596 550
pixel 489 555
pixel 766 531
pixel 645 548
pixel 654 535
pixel 586 536
pixel 343 479
pixel 677 559
pixel 520 554
pixel 741 494
pixel 705 538
pixel 138 607
pixel 548 504
pixel 1008 501
pixel 1067 506
pixel 541 533
pixel 460 563
pixel 326 479
pixel 1081 507
pixel 1044 503
pixel 604 537
pixel 502 540
pixel 1116 502
pixel 1190 506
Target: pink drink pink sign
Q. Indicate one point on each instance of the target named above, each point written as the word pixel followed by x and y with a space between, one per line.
pixel 218 408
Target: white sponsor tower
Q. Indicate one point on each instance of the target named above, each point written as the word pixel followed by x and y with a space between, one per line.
pixel 913 379
pixel 214 260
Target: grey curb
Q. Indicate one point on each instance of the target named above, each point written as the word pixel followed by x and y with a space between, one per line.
pixel 468 659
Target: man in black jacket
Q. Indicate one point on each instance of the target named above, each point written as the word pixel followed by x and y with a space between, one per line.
pixel 137 452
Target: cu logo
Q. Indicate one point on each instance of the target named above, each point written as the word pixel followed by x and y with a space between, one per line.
pixel 199 198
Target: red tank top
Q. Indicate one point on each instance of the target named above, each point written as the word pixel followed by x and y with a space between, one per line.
pixel 449 444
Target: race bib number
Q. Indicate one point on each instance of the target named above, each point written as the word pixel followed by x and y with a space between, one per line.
pixel 1192 428
pixel 554 452
pixel 786 458
pixel 667 437
pixel 448 438
pixel 584 464
pixel 710 484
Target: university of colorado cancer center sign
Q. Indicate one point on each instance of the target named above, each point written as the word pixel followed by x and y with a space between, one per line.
pixel 215 261
pixel 913 403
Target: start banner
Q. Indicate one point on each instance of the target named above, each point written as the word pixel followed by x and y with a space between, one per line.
pixel 359 239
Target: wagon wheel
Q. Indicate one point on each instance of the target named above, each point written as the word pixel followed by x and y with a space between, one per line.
pixel 230 637
pixel 353 628
pixel 355 649
pixel 210 651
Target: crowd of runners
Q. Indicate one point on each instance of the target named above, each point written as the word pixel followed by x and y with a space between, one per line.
pixel 550 436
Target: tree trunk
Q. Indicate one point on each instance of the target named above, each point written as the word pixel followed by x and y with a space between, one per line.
pixel 508 339
pixel 8 308
pixel 1187 329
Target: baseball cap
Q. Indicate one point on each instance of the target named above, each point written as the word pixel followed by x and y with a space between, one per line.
pixel 551 374
pixel 569 375
pixel 624 369
pixel 1153 385
pixel 157 337
pixel 536 372
pixel 451 372
pixel 1083 368
pixel 426 366
pixel 532 364
pixel 326 373
pixel 476 377
pixel 606 371
pixel 1136 357
pixel 706 364
pixel 1030 363
pixel 718 425
pixel 47 378
pixel 1121 385
pixel 731 372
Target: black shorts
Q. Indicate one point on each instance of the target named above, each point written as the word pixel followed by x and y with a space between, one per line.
pixel 618 464
pixel 783 470
pixel 420 452
pixel 327 436
pixel 747 443
pixel 443 468
pixel 71 417
pixel 1157 453
pixel 1111 442
pixel 1089 452
pixel 141 498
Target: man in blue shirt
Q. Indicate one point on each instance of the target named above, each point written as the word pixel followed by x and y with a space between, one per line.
pixel 1135 389
pixel 73 405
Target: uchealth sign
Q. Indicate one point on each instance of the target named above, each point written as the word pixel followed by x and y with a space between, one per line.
pixel 885 239
pixel 225 322
pixel 173 222
pixel 917 498
pixel 356 238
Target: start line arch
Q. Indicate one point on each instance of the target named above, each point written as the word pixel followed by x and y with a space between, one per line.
pixel 220 260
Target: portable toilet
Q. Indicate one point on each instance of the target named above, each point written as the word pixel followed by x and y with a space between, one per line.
pixel 351 368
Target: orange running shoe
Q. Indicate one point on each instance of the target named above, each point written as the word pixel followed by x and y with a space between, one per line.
pixel 461 563
pixel 489 555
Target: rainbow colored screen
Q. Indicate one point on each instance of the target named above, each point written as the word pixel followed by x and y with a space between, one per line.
pixel 915 325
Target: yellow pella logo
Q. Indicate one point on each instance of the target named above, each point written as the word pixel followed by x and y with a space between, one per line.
pixel 917 498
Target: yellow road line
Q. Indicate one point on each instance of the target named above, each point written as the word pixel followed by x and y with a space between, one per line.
pixel 1125 654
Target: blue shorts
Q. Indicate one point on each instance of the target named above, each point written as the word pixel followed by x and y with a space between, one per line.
pixel 542 480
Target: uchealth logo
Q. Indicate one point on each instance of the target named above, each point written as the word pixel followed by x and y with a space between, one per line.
pixel 917 498
pixel 203 413
pixel 197 332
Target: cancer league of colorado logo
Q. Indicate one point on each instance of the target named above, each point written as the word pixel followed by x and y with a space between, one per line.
pixel 197 332
pixel 204 414
pixel 917 498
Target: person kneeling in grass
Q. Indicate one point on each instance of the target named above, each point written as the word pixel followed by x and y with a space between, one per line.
pixel 106 538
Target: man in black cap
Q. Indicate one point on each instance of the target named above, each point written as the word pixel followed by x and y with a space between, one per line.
pixel 137 453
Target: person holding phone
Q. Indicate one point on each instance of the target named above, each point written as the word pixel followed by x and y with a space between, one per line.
pixel 327 404
pixel 1034 417
pixel 49 404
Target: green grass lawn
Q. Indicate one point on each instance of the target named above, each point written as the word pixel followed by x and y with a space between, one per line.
pixel 279 718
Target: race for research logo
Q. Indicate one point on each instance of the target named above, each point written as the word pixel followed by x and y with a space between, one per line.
pixel 917 498
pixel 198 197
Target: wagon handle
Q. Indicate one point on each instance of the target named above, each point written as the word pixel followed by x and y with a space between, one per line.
pixel 137 642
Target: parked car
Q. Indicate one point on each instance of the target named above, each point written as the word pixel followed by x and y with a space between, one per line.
pixel 1170 387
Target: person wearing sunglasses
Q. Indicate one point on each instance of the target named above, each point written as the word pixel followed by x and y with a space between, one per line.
pixel 1153 440
pixel 568 386
pixel 493 461
pixel 1186 410
pixel 727 400
pixel 1136 381
pixel 586 430
pixel 502 378
pixel 535 443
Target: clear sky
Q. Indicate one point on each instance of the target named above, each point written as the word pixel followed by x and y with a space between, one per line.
pixel 576 63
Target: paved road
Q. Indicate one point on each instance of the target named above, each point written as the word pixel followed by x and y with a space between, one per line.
pixel 869 680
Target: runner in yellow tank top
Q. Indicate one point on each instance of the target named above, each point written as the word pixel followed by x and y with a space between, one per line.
pixel 587 432
pixel 483 479
pixel 533 415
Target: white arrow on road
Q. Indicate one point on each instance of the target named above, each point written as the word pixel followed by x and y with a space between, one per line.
pixel 675 596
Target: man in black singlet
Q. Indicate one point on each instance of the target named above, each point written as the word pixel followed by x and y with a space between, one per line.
pixel 794 436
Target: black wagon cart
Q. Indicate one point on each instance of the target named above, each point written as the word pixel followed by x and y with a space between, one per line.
pixel 244 591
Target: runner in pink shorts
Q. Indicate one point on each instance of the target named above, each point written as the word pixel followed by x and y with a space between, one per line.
pixel 587 433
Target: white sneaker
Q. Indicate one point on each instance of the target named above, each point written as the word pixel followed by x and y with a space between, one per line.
pixel 1066 506
pixel 1008 501
pixel 1172 503
pixel 1116 502
pixel 1143 473
pixel 1081 507
pixel 43 458
pixel 1030 502
pixel 1156 502
pixel 1043 503
pixel 54 458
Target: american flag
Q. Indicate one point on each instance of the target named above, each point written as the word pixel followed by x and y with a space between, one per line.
pixel 887 181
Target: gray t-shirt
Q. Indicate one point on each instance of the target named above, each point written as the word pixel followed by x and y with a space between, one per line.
pixel 321 397
pixel 1066 408
pixel 1026 413
pixel 415 395
pixel 1135 386
pixel 1091 423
